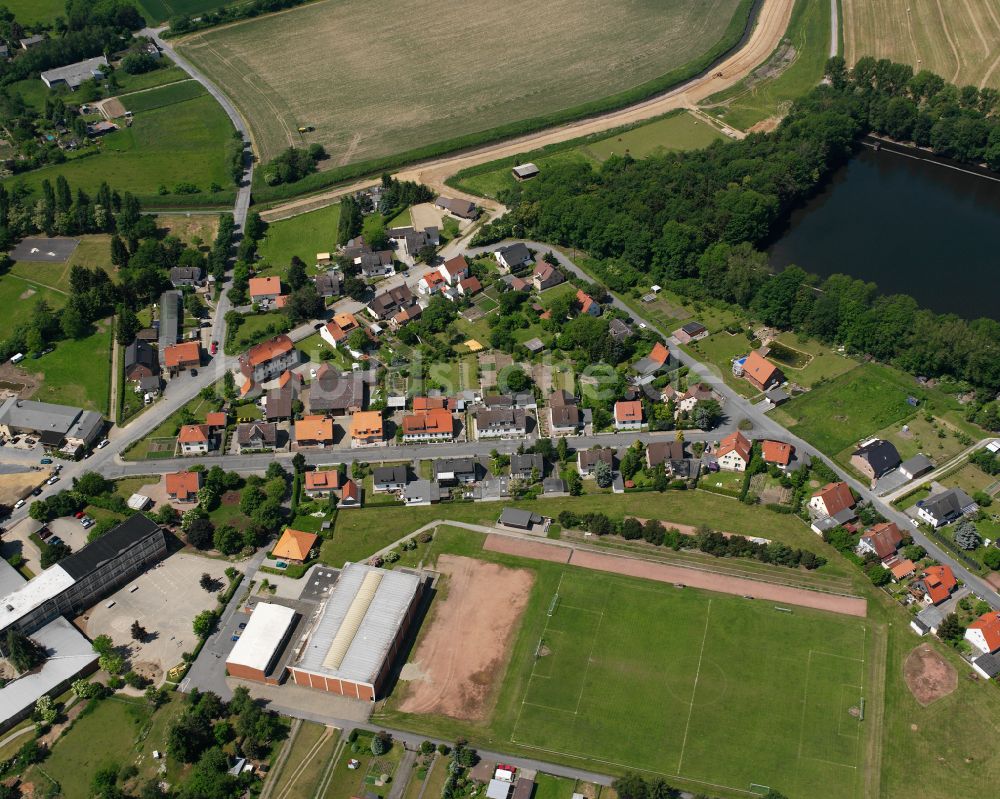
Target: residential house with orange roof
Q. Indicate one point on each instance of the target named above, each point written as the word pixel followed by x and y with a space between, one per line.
pixel 657 361
pixel 881 540
pixel 216 419
pixel 435 424
pixel 404 316
pixel 314 431
pixel 430 283
pixel 936 584
pixel 336 331
pixel 697 392
pixel 758 371
pixel 454 269
pixel 901 568
pixel 777 453
pixel 628 415
pixel 265 289
pixel 984 632
pixel 350 495
pixel 294 546
pixel 733 453
pixel 319 483
pixel 469 287
pixel 269 359
pixel 182 486
pixel 178 357
pixel 833 499
pixel 424 404
pixel 195 439
pixel 367 429
pixel 588 305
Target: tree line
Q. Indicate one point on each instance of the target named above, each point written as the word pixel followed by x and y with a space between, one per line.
pixel 697 221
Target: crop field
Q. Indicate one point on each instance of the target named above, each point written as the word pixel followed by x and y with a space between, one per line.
pixel 425 71
pixel 959 40
pixel 165 95
pixel 30 11
pixel 620 673
pixel 182 142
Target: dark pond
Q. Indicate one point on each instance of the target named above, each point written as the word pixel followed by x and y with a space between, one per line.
pixel 911 226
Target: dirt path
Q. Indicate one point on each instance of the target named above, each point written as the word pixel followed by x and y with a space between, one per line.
pixel 765 37
pixel 665 573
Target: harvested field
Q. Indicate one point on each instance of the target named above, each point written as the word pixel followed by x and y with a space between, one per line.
pixel 851 606
pixel 959 40
pixel 16 485
pixel 483 609
pixel 928 675
pixel 422 72
pixel 527 549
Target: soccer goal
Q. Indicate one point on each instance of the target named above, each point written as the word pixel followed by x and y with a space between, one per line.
pixel 759 790
pixel 553 604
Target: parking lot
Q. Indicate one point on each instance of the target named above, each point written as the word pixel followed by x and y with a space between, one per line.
pixel 167 599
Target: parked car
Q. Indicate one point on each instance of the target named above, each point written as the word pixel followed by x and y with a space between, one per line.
pixel 243 625
pixel 46 460
pixel 235 638
pixel 103 444
pixel 19 504
pixel 55 540
pixel 44 533
pixel 53 480
pixel 79 514
pixel 36 493
pixel 193 372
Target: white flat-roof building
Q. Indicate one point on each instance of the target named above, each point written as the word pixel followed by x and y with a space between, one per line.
pixel 358 632
pixel 259 648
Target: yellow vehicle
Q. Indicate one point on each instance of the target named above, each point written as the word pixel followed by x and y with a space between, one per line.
pixel 306 129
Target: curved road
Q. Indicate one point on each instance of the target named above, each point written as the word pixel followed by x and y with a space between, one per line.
pixel 772 21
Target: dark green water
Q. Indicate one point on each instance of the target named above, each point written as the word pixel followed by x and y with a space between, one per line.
pixel 913 227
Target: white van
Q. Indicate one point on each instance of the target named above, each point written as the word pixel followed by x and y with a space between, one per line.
pixel 19 504
pixel 17 358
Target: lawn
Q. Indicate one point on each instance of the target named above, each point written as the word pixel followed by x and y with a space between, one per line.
pixel 303 235
pixel 793 69
pixel 163 10
pixel 181 143
pixel 626 674
pixel 312 346
pixel 249 329
pixel 358 535
pixel 307 762
pixel 65 382
pixel 676 131
pixel 345 783
pixel 268 66
pixel 167 429
pixel 821 362
pixel 116 731
pixel 29 12
pixel 719 350
pixel 842 412
pixel 188 226
pixel 182 91
pixel 19 296
pixel 936 438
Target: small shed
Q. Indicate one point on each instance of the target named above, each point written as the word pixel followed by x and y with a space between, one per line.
pixel 525 171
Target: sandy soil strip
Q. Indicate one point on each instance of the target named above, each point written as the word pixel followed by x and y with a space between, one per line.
pixel 850 606
pixel 527 549
pixel 469 640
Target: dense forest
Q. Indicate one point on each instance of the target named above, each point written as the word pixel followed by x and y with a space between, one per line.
pixel 694 221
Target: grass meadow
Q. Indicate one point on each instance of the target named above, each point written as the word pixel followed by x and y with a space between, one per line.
pixel 956 40
pixel 303 235
pixel 675 131
pixel 141 101
pixel 708 690
pixel 65 382
pixel 163 10
pixel 394 83
pixel 28 12
pixel 787 75
pixel 182 142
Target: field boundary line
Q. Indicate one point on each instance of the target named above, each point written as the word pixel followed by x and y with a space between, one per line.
pixel 694 690
pixel 590 657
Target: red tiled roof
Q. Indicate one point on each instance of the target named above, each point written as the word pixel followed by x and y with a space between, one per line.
pixel 350 491
pixel 885 538
pixel 321 480
pixel 294 545
pixel 759 368
pixel 182 354
pixel 433 278
pixel 836 497
pixel 735 442
pixel 901 569
pixel 193 433
pixel 265 286
pixel 314 428
pixel 436 420
pixel 628 411
pixel 585 300
pixel 989 625
pixel 424 404
pixel 183 485
pixel 777 452
pixel 939 582
pixel 659 353
pixel 268 350
pixel 471 285
pixel 215 419
pixel 455 266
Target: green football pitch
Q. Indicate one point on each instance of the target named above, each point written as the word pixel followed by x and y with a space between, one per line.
pixel 714 689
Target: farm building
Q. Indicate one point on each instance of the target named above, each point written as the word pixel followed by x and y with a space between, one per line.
pixel 351 646
pixel 256 653
pixel 524 171
pixel 72 75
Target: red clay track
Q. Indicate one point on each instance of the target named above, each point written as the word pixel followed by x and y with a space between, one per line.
pixel 661 572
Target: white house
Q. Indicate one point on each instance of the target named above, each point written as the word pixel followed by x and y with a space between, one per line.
pixel 628 415
pixel 454 269
pixel 984 632
pixel 195 439
pixel 946 507
pixel 832 499
pixel 733 454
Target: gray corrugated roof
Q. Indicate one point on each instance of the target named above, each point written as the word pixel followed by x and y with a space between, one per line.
pixel 40 416
pixel 369 646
